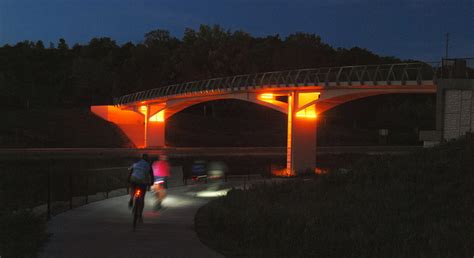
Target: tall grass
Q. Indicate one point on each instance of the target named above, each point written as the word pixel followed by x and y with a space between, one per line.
pixel 22 234
pixel 419 205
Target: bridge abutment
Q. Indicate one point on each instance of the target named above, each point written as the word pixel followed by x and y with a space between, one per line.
pixel 130 122
pixel 455 107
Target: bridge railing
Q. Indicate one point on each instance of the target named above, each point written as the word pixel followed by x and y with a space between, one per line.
pixel 459 68
pixel 385 74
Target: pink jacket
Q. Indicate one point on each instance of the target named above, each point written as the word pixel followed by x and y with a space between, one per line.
pixel 161 168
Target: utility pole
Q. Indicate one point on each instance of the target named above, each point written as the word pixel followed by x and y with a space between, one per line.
pixel 447 45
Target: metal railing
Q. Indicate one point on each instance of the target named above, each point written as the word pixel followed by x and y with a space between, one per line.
pixel 385 74
pixel 457 68
pixel 47 190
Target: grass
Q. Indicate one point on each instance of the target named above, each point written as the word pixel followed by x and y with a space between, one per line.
pixel 22 234
pixel 418 205
pixel 24 186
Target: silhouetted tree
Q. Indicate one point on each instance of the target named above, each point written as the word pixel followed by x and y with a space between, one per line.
pixel 95 72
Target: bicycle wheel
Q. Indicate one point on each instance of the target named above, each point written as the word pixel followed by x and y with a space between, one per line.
pixel 137 209
pixel 135 213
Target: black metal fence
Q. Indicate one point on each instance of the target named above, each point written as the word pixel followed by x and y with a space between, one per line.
pixel 69 190
pixel 51 187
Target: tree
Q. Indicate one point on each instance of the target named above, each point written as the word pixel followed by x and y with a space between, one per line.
pixel 39 45
pixel 97 71
pixel 62 45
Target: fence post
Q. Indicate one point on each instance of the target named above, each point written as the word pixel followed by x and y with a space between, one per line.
pixel 106 187
pixel 48 201
pixel 70 192
pixel 87 189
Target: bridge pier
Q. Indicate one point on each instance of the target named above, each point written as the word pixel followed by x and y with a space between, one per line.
pixel 301 141
pixel 154 131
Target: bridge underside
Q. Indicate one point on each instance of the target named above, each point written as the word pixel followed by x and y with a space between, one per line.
pixel 144 122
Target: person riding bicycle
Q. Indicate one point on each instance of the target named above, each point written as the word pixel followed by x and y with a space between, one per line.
pixel 161 172
pixel 141 177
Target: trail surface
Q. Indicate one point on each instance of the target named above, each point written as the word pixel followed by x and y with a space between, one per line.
pixel 104 228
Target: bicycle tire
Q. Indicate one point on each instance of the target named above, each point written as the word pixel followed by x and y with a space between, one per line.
pixel 136 207
pixel 134 213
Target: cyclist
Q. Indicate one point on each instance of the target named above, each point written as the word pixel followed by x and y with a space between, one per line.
pixel 141 177
pixel 161 173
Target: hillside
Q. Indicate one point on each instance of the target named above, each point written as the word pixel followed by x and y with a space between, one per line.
pixel 57 128
pixel 418 205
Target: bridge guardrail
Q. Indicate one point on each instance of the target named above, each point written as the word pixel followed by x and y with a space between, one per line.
pixel 383 74
pixel 347 75
pixel 457 68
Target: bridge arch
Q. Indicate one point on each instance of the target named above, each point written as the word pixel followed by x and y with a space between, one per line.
pixel 175 106
pixel 226 123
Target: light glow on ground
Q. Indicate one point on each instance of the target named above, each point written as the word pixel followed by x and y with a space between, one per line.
pixel 212 193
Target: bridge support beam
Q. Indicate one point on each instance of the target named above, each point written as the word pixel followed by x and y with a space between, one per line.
pixel 154 126
pixel 155 134
pixel 301 142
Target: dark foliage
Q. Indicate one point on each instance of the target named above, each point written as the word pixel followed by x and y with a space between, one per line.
pixel 21 234
pixel 418 205
pixel 55 128
pixel 83 75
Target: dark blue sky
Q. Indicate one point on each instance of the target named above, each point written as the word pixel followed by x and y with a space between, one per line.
pixel 403 28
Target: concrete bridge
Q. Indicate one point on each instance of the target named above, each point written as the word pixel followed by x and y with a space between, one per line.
pixel 301 94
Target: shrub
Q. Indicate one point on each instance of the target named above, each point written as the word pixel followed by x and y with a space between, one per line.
pixel 419 205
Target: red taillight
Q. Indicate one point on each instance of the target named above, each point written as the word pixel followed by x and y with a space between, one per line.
pixel 138 192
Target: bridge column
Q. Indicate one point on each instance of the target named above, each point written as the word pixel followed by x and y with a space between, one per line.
pixel 301 145
pixel 155 126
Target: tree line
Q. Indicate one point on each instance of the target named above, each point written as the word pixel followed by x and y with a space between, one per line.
pixel 59 75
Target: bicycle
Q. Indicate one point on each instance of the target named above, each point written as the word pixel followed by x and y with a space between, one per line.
pixel 138 202
pixel 159 190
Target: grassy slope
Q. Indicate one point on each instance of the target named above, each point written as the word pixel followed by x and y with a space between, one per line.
pixel 419 205
pixel 21 234
pixel 55 128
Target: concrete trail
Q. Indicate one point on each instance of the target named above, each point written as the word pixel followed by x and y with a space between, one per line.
pixel 104 229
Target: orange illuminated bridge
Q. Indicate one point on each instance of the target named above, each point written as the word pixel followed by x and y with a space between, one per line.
pixel 301 94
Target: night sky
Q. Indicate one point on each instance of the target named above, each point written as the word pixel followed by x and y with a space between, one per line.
pixel 404 28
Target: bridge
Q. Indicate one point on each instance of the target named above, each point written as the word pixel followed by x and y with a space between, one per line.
pixel 302 94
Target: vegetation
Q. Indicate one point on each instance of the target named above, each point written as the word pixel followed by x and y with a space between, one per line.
pixel 55 128
pixel 418 205
pixel 21 234
pixel 26 183
pixel 32 75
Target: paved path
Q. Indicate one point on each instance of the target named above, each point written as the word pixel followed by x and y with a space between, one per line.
pixel 104 229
